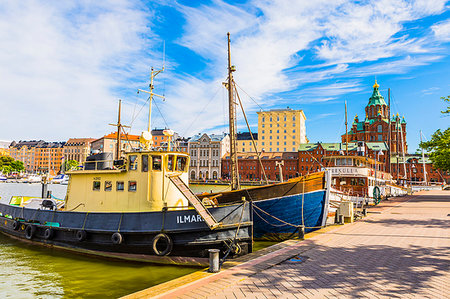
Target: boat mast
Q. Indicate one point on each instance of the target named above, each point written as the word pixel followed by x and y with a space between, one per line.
pixel 232 121
pixel 119 131
pixel 423 161
pixel 153 74
pixel 346 130
pixel 389 130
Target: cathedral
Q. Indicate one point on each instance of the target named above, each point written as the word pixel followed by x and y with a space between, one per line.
pixel 375 126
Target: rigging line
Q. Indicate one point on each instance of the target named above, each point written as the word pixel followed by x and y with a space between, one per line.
pixel 249 96
pixel 164 119
pixel 142 107
pixel 198 114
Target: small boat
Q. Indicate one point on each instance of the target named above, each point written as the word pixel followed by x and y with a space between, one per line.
pixel 58 179
pixel 135 207
pixel 3 178
pixel 65 180
pixel 33 178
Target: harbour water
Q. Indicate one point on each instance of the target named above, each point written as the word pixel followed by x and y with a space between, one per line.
pixel 30 271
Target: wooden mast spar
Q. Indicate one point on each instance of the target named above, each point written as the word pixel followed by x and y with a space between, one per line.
pixel 232 122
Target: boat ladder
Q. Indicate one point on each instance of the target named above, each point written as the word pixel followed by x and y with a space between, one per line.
pixel 195 201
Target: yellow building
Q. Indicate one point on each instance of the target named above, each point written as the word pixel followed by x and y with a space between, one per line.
pixel 281 130
pixel 244 142
pixel 4 148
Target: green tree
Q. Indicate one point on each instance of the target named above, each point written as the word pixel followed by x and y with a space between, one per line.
pixel 70 164
pixel 17 166
pixel 439 145
pixel 6 169
pixel 446 99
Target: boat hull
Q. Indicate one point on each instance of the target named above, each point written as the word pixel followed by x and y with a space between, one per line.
pixel 281 218
pixel 189 235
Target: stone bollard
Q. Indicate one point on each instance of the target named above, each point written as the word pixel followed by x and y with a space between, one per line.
pixel 214 266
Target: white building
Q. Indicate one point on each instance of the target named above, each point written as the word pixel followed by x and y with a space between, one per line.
pixel 206 153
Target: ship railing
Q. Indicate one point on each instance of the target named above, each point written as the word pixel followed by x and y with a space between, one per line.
pixel 102 165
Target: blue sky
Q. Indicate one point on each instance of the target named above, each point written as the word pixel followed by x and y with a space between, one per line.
pixel 64 65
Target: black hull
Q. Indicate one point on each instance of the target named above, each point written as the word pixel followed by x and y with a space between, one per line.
pixel 189 235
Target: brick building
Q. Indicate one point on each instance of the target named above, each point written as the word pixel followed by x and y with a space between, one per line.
pixel 107 143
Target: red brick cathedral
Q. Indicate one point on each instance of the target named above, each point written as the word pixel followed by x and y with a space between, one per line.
pixel 375 126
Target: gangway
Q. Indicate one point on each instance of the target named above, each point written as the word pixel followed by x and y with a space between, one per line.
pixel 195 201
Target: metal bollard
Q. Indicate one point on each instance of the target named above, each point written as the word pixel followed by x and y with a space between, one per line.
pixel 214 266
pixel 365 212
pixel 341 219
pixel 301 233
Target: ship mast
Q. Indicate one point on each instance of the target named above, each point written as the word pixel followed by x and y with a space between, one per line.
pixel 232 121
pixel 119 131
pixel 153 74
pixel 346 130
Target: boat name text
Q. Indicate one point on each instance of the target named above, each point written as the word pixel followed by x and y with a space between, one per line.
pixel 189 218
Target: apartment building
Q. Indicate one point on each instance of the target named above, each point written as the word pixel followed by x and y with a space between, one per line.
pixel 77 149
pixel 206 153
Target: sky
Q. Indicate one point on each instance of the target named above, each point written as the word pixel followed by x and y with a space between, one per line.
pixel 64 65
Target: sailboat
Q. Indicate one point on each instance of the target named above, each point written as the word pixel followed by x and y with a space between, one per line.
pixel 136 207
pixel 281 210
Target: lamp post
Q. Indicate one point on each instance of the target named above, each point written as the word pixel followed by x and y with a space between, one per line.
pixel 380 153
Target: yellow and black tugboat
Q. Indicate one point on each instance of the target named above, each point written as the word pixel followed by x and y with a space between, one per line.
pixel 137 207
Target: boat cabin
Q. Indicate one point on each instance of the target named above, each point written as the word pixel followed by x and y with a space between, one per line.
pixel 356 174
pixel 138 182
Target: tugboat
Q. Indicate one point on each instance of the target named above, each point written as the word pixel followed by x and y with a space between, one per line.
pixel 135 207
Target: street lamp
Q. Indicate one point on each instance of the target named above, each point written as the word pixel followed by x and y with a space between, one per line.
pixel 380 153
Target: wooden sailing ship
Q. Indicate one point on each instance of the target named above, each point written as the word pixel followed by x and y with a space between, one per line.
pixel 280 210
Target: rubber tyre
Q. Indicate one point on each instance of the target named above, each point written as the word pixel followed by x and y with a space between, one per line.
pixel 81 235
pixel 117 238
pixel 29 231
pixel 16 225
pixel 49 233
pixel 168 248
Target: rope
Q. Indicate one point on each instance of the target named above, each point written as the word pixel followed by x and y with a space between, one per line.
pixel 120 222
pixel 84 222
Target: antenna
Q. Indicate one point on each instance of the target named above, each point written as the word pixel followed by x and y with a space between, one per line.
pixel 164 55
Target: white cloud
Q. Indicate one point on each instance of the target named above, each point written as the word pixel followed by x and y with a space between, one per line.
pixel 442 31
pixel 61 63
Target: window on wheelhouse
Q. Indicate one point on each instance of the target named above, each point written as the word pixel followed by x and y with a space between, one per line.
pixel 133 162
pixel 108 185
pixel 144 163
pixel 132 186
pixel 120 186
pixel 96 185
pixel 170 162
pixel 156 162
pixel 181 163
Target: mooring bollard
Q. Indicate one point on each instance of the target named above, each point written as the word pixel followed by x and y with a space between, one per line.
pixel 365 212
pixel 213 260
pixel 301 233
pixel 341 219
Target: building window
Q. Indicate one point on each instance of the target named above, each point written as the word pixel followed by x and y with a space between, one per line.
pixel 380 137
pixel 108 185
pixel 263 119
pixel 132 186
pixel 96 186
pixel 380 128
pixel 278 131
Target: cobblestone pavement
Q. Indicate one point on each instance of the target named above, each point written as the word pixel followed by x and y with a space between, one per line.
pixel 401 249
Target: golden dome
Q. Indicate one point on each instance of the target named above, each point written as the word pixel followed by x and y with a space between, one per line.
pixel 376 84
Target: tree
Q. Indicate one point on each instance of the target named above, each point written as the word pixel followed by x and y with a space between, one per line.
pixel 8 164
pixel 446 99
pixel 70 164
pixel 439 145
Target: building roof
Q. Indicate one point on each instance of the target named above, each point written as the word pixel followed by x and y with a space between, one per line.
pixel 28 144
pixel 246 136
pixel 376 98
pixel 122 136
pixel 352 146
pixel 212 137
pixel 409 158
pixel 265 155
pixel 78 141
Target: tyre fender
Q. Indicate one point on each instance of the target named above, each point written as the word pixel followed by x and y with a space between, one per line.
pixel 29 231
pixel 16 225
pixel 81 235
pixel 49 233
pixel 117 238
pixel 167 249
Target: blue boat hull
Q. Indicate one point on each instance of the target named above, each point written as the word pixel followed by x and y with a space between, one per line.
pixel 281 218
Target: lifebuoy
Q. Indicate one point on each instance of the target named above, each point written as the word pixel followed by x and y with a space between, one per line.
pixel 48 234
pixel 168 247
pixel 81 235
pixel 16 225
pixel 29 231
pixel 117 238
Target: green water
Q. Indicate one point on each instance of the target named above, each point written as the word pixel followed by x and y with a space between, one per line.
pixel 30 271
